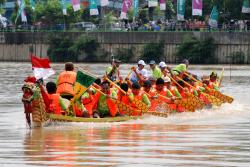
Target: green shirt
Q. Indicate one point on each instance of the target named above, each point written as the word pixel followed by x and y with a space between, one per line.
pixel 156 73
pixel 145 99
pixel 179 69
pixel 102 104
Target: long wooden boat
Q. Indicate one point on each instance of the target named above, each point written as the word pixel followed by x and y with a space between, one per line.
pixel 63 118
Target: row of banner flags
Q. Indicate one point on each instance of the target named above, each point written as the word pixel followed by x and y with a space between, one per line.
pixel 134 4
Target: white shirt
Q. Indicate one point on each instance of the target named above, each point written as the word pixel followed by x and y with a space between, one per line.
pixel 143 72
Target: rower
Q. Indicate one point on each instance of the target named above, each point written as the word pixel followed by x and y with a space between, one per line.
pixel 56 104
pixel 103 105
pixel 66 81
pixel 139 74
pixel 180 69
pixel 155 70
pixel 113 71
pixel 137 94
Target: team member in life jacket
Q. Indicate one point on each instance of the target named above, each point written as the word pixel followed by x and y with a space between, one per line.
pixel 124 97
pixel 103 104
pixel 113 71
pixel 56 103
pixel 66 81
pixel 137 94
pixel 88 98
pixel 180 92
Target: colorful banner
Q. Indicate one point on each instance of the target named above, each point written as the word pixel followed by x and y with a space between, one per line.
pixel 197 8
pixel 32 4
pixel 76 5
pixel 93 7
pixel 64 7
pixel 135 6
pixel 180 10
pixel 213 20
pixel 246 6
pixel 126 5
pixel 152 3
pixel 162 5
pixel 104 2
pixel 21 11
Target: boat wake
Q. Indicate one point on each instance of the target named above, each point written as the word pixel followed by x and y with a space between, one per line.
pixel 226 114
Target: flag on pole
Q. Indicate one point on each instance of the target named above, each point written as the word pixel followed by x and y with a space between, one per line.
pixel 64 7
pixel 32 4
pixel 126 5
pixel 93 8
pixel 21 11
pixel 41 67
pixel 162 5
pixel 180 10
pixel 152 3
pixel 83 81
pixel 104 2
pixel 76 5
pixel 197 8
pixel 135 6
pixel 213 20
pixel 246 6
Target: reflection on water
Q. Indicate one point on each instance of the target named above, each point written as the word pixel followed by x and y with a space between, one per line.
pixel 217 137
pixel 126 144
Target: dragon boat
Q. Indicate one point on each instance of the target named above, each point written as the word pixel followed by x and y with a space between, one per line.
pixel 36 114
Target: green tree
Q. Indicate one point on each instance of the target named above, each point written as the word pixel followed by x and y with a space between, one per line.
pixel 60 48
pixel 197 51
pixel 87 45
pixel 153 51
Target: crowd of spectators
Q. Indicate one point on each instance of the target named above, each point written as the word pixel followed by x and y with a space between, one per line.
pixel 188 25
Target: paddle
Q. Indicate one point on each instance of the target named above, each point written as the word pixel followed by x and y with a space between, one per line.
pixel 191 102
pixel 221 77
pixel 217 94
pixel 139 104
pixel 213 100
pixel 120 105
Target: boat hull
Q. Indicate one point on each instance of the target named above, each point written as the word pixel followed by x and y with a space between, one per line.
pixel 63 118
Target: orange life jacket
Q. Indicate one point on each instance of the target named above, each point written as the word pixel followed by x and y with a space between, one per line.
pixel 54 103
pixel 66 81
pixel 88 103
pixel 136 111
pixel 113 109
pixel 124 99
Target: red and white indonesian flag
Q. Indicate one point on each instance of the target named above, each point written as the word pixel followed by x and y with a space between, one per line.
pixel 41 67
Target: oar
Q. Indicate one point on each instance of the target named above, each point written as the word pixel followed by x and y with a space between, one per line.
pixel 191 102
pixel 122 106
pixel 211 99
pixel 168 108
pixel 139 104
pixel 219 95
pixel 221 77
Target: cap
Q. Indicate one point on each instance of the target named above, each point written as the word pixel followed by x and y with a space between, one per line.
pixel 162 64
pixel 213 74
pixel 185 61
pixel 166 79
pixel 152 62
pixel 141 62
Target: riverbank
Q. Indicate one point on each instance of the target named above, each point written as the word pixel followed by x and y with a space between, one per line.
pixel 15 46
